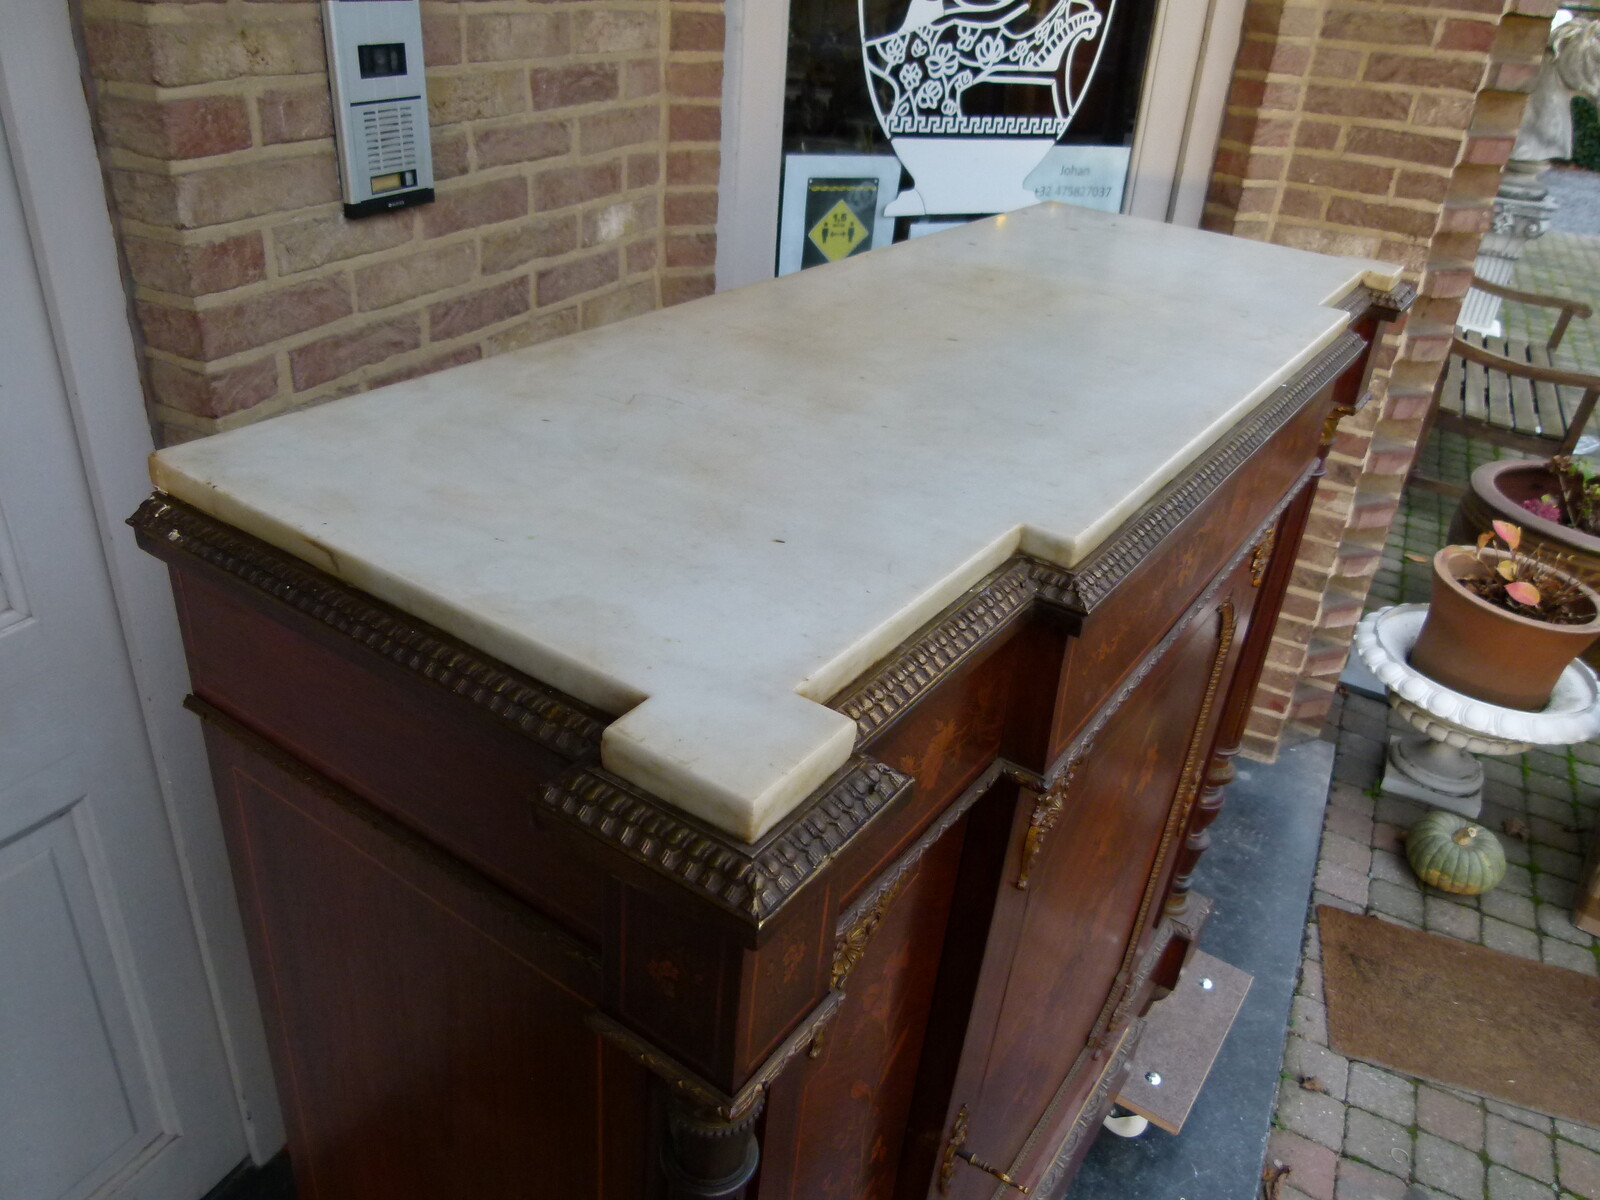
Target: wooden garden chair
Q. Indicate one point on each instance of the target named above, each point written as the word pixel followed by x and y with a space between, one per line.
pixel 1512 393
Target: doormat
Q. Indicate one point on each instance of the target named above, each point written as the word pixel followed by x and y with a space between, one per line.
pixel 1462 1015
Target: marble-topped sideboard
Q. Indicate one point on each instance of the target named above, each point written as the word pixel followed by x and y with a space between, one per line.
pixel 829 681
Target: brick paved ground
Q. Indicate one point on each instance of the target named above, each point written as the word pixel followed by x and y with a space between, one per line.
pixel 1374 1134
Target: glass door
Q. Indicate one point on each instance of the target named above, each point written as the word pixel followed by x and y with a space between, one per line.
pixel 850 124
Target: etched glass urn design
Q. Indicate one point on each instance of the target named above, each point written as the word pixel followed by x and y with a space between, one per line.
pixel 973 93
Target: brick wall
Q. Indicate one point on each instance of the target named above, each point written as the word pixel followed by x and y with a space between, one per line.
pixel 1379 130
pixel 576 150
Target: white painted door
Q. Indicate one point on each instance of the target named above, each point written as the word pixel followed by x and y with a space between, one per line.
pixel 113 1076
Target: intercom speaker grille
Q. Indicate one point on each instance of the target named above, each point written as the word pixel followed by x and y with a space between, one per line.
pixel 389 131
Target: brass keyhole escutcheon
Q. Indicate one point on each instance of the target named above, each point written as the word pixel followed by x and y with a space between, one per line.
pixel 954 1152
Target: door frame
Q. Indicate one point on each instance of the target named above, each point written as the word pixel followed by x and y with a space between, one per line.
pixel 1192 50
pixel 58 174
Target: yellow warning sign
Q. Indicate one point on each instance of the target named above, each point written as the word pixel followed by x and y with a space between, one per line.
pixel 838 233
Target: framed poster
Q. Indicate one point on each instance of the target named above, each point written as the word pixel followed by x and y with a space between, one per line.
pixel 833 207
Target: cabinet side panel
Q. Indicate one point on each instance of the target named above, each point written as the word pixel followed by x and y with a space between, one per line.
pixel 422 755
pixel 836 1121
pixel 428 1031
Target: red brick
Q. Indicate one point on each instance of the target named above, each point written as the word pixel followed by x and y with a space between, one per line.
pixel 441 38
pixel 678 289
pixel 196 270
pixel 398 279
pixel 321 361
pixel 1317 135
pixel 695 81
pixel 451 154
pixel 1443 112
pixel 316 241
pixel 475 205
pixel 1491 151
pixel 1425 71
pixel 1342 174
pixel 697 31
pixel 475 95
pixel 1521 39
pixel 1402 147
pixel 691 208
pixel 616 222
pixel 1382 28
pixel 498 37
pixel 694 123
pixel 1299 202
pixel 176 129
pixel 1465 219
pixel 182 53
pixel 1448 282
pixel 527 142
pixel 1358 102
pixel 608 31
pixel 1332 62
pixel 641 78
pixel 296 115
pixel 631 301
pixel 1273 57
pixel 555 284
pixel 207 394
pixel 640 256
pixel 226 329
pixel 567 85
pixel 691 249
pixel 505 249
pixel 644 169
pixel 490 306
pixel 1467 35
pixel 559 187
pixel 427 366
pixel 1512 77
pixel 1417 185
pixel 252 189
pixel 617 128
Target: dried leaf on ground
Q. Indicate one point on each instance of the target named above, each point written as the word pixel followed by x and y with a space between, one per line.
pixel 1413 557
pixel 1312 1084
pixel 1515 827
pixel 1272 1177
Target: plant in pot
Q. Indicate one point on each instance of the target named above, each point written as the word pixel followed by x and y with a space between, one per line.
pixel 1556 502
pixel 1504 623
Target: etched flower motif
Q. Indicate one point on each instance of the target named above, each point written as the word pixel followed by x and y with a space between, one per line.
pixel 930 94
pixel 961 82
pixel 942 60
pixel 966 36
pixel 894 50
pixel 990 50
pixel 919 47
pixel 950 108
pixel 910 75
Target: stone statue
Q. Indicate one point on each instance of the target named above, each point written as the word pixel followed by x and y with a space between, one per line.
pixel 1571 68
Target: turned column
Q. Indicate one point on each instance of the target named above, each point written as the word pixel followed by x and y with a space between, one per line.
pixel 706 1157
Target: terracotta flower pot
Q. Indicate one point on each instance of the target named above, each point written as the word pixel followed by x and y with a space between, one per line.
pixel 1496 493
pixel 1475 648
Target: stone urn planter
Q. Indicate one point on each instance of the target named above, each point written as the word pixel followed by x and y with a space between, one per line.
pixel 1481 650
pixel 1496 493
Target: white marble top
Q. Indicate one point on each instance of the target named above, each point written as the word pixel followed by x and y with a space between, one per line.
pixel 710 519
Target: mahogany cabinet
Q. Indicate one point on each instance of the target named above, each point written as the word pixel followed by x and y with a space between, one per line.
pixel 495 969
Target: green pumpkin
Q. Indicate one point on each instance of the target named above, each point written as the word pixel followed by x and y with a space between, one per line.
pixel 1455 855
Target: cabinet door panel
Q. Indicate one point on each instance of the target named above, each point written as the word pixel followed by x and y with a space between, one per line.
pixel 1089 899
